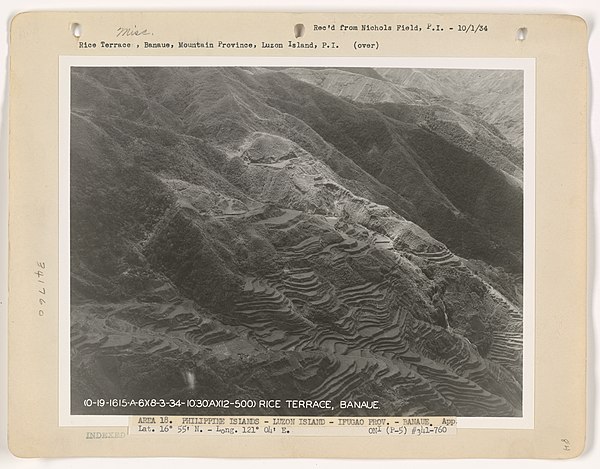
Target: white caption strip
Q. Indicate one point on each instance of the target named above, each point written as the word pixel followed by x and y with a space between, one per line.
pixel 290 426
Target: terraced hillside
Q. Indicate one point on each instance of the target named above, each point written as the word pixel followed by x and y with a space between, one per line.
pixel 249 234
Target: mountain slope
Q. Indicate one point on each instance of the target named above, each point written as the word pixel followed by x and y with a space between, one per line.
pixel 481 111
pixel 240 233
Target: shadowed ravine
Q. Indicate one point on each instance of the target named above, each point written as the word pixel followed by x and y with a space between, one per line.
pixel 261 234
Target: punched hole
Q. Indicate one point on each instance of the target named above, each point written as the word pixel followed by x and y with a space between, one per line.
pixel 75 30
pixel 299 30
pixel 521 34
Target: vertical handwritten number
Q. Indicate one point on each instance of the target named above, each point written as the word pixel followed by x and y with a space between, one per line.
pixel 41 293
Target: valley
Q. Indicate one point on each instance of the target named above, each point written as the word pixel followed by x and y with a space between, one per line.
pixel 305 234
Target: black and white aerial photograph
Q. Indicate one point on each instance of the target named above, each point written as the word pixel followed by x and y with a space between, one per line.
pixel 296 241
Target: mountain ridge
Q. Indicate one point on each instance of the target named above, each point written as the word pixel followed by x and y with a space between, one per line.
pixel 228 224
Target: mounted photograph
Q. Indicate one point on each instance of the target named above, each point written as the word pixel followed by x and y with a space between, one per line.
pixel 371 248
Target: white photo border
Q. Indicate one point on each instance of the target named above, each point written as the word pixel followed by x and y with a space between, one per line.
pixel 527 65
